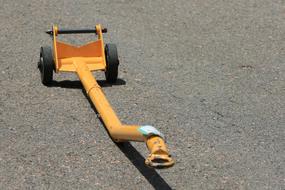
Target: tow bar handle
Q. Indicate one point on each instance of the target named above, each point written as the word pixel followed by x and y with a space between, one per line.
pixel 76 31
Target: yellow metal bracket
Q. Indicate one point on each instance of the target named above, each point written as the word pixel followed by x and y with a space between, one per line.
pixel 91 53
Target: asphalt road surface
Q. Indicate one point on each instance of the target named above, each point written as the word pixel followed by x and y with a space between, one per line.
pixel 208 74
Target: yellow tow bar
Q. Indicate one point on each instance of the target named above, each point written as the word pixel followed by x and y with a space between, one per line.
pixel 92 57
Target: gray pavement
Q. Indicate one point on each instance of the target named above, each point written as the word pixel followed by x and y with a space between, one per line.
pixel 209 74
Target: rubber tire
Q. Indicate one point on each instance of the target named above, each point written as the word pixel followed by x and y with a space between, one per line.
pixel 46 65
pixel 112 62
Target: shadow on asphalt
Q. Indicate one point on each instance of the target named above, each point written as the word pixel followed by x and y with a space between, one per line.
pixel 77 84
pixel 138 161
pixel 126 147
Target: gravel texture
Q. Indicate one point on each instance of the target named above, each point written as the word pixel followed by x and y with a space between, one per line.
pixel 209 74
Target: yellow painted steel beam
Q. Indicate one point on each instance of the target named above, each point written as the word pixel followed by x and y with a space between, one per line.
pixel 159 155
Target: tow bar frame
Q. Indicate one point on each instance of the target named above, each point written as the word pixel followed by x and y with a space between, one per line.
pixel 93 56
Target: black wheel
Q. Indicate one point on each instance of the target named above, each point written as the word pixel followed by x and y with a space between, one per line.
pixel 112 62
pixel 46 65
